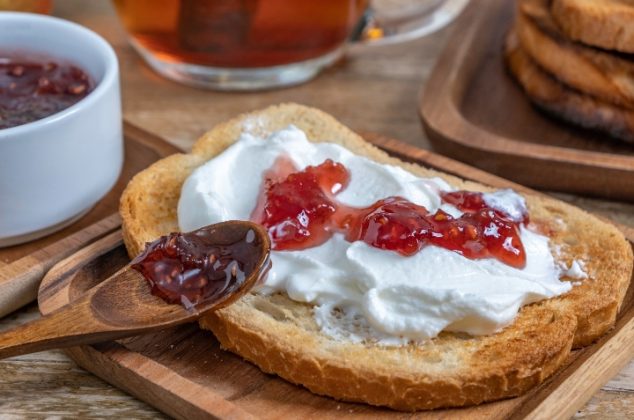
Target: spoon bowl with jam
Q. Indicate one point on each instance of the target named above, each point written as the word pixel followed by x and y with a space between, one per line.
pixel 177 279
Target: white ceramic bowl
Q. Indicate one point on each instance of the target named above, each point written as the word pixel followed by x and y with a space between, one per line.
pixel 55 169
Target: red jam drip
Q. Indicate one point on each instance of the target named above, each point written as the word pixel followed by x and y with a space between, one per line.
pixel 189 268
pixel 300 210
pixel 33 89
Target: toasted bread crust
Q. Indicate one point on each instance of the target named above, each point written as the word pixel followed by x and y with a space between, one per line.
pixel 563 102
pixel 447 372
pixel 598 73
pixel 605 24
pixel 281 336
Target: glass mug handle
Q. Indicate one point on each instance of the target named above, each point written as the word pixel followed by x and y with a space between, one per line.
pixel 391 21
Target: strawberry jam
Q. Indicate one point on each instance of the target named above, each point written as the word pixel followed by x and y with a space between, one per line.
pixel 202 265
pixel 31 89
pixel 300 210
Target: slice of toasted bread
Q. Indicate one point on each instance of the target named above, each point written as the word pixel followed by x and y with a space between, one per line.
pixel 281 336
pixel 606 76
pixel 605 24
pixel 564 102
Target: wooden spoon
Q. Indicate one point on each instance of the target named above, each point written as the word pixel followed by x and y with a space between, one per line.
pixel 122 305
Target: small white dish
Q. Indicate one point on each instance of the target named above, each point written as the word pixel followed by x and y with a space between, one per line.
pixel 55 169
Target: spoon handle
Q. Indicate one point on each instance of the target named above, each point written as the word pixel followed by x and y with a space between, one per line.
pixel 121 306
pixel 69 326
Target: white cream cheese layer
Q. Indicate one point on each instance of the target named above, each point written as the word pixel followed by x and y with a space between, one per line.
pixel 361 292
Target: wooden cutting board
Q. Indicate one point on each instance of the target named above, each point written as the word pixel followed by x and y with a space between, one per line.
pixel 184 373
pixel 473 111
pixel 23 266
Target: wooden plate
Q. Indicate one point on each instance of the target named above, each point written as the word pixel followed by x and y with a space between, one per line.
pixel 473 111
pixel 184 373
pixel 23 266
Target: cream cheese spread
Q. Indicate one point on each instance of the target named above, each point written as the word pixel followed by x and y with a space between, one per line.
pixel 360 292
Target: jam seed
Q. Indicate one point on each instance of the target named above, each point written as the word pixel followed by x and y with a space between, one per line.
pixel 17 71
pixel 50 66
pixel 440 216
pixel 43 82
pixel 77 89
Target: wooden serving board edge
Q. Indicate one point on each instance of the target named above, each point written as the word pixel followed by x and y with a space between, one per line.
pixel 448 82
pixel 182 398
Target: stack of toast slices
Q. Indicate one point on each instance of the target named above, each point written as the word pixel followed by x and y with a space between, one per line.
pixel 575 60
pixel 452 370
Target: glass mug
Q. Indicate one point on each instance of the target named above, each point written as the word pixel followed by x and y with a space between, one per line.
pixel 32 6
pixel 259 44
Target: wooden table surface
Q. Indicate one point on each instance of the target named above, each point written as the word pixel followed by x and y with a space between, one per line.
pixel 373 89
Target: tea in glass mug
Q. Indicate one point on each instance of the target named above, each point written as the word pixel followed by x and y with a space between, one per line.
pixel 241 44
pixel 31 6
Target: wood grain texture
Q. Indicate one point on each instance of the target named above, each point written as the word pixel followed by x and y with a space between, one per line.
pixel 63 389
pixel 181 369
pixel 473 111
pixel 373 89
pixel 20 279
